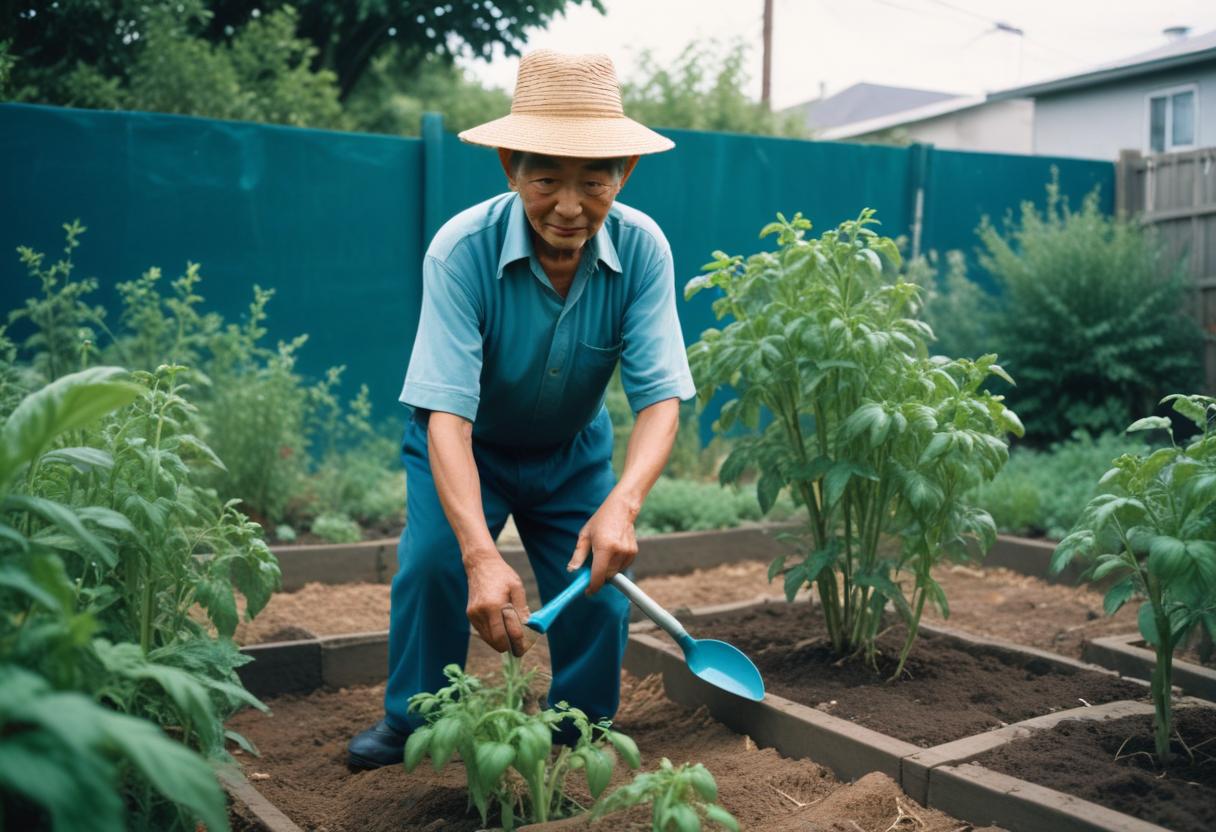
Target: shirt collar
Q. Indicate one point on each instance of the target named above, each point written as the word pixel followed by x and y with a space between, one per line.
pixel 517 245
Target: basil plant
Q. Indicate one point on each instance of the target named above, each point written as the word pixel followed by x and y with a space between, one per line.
pixel 844 406
pixel 1153 532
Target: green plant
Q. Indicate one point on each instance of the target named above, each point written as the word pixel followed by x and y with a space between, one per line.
pixel 681 505
pixel 1044 492
pixel 680 797
pixel 1154 530
pixel 1091 318
pixel 336 528
pixel 867 431
pixel 495 735
pixel 958 310
pixel 82 551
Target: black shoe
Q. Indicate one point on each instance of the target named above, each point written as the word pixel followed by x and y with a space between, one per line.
pixel 378 746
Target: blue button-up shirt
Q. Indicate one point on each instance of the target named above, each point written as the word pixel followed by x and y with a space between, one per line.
pixel 499 346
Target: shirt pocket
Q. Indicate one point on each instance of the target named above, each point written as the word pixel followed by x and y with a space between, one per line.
pixel 593 368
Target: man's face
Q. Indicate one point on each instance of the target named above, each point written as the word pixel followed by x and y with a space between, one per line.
pixel 565 199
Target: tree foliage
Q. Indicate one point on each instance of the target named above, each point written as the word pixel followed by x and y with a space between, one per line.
pixel 52 39
pixel 703 89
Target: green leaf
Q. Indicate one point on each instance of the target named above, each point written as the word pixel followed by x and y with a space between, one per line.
pixel 888 589
pixel 42 578
pixel 242 742
pixel 216 597
pixel 703 782
pixel 1149 423
pixel 83 459
pixel 794 579
pixel 774 568
pixel 938 446
pixel 1118 595
pixel 416 746
pixel 493 758
pixel 1189 407
pixel 1148 624
pixel 721 817
pixel 67 403
pixel 869 417
pixel 769 488
pixel 445 735
pixel 1108 564
pixel 599 770
pixel 1167 558
pixel 65 519
pixel 626 747
pixel 684 817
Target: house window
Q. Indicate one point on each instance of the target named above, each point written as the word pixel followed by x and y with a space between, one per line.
pixel 1172 119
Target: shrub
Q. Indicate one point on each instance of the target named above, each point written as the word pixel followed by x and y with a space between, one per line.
pixel 681 505
pixel 337 528
pixel 958 310
pixel 1091 316
pixel 1153 531
pixel 867 432
pixel 1044 492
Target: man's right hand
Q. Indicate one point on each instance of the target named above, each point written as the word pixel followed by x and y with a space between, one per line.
pixel 493 585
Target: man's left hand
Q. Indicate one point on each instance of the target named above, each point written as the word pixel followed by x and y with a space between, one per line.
pixel 609 537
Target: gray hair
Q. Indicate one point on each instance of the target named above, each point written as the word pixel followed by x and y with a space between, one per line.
pixel 522 160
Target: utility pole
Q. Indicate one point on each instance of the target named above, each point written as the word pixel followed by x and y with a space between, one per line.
pixel 766 82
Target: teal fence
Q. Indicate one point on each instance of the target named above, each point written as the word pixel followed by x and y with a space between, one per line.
pixel 337 222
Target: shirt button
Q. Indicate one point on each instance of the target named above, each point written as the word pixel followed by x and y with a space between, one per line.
pixel 554 371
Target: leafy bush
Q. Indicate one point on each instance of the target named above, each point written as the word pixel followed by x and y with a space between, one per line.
pixel 867 432
pixel 1091 316
pixel 337 528
pixel 1154 530
pixel 107 541
pixel 494 734
pixel 681 505
pixel 1044 492
pixel 958 310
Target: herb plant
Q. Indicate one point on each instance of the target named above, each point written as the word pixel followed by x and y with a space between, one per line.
pixel 865 429
pixel 1154 533
pixel 495 736
pixel 680 798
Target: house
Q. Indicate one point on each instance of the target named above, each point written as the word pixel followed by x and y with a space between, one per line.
pixel 901 115
pixel 1158 101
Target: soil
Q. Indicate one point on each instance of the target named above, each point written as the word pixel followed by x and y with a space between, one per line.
pixel 302 769
pixel 945 692
pixel 993 602
pixel 1112 763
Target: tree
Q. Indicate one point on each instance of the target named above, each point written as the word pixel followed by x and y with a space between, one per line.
pixel 52 38
pixel 703 90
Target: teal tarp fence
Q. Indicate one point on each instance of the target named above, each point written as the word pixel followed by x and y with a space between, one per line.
pixel 337 223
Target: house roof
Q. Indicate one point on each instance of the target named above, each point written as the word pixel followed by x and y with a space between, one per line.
pixel 1183 52
pixel 862 102
pixel 874 125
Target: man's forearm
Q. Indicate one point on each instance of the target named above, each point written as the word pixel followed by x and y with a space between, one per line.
pixel 650 443
pixel 450 444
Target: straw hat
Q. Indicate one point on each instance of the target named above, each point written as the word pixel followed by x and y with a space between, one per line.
pixel 567 105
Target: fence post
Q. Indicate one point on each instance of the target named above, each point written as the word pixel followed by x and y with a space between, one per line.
pixel 1127 184
pixel 432 175
pixel 919 159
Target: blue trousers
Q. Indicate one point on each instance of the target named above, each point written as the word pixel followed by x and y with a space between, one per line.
pixel 551 494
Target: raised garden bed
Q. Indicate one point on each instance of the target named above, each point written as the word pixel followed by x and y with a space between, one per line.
pixel 301 781
pixel 1128 655
pixel 941 776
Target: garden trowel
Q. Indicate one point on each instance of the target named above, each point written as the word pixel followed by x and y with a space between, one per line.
pixel 716 662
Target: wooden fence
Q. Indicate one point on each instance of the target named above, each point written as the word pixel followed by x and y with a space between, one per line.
pixel 1176 194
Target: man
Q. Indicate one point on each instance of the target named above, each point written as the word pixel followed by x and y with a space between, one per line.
pixel 529 300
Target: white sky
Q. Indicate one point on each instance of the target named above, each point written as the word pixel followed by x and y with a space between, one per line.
pixel 946 45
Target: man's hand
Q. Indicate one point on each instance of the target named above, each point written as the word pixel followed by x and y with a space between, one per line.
pixel 493 585
pixel 609 537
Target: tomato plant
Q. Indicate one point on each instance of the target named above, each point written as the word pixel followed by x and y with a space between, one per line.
pixel 1154 530
pixel 680 798
pixel 846 408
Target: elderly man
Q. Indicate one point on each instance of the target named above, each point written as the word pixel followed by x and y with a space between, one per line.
pixel 529 300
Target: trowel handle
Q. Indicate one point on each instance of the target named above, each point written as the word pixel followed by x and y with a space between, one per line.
pixel 649 606
pixel 542 619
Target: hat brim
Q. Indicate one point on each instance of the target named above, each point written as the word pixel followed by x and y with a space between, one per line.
pixel 583 137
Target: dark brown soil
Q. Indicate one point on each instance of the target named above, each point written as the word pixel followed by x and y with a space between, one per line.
pixel 303 770
pixel 946 692
pixel 1112 763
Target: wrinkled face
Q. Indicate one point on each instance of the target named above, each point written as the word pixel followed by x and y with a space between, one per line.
pixel 566 199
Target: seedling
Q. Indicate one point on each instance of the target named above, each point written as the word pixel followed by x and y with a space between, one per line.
pixel 680 797
pixel 503 745
pixel 1155 531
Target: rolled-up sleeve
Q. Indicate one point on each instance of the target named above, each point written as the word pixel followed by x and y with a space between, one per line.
pixel 654 364
pixel 445 367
